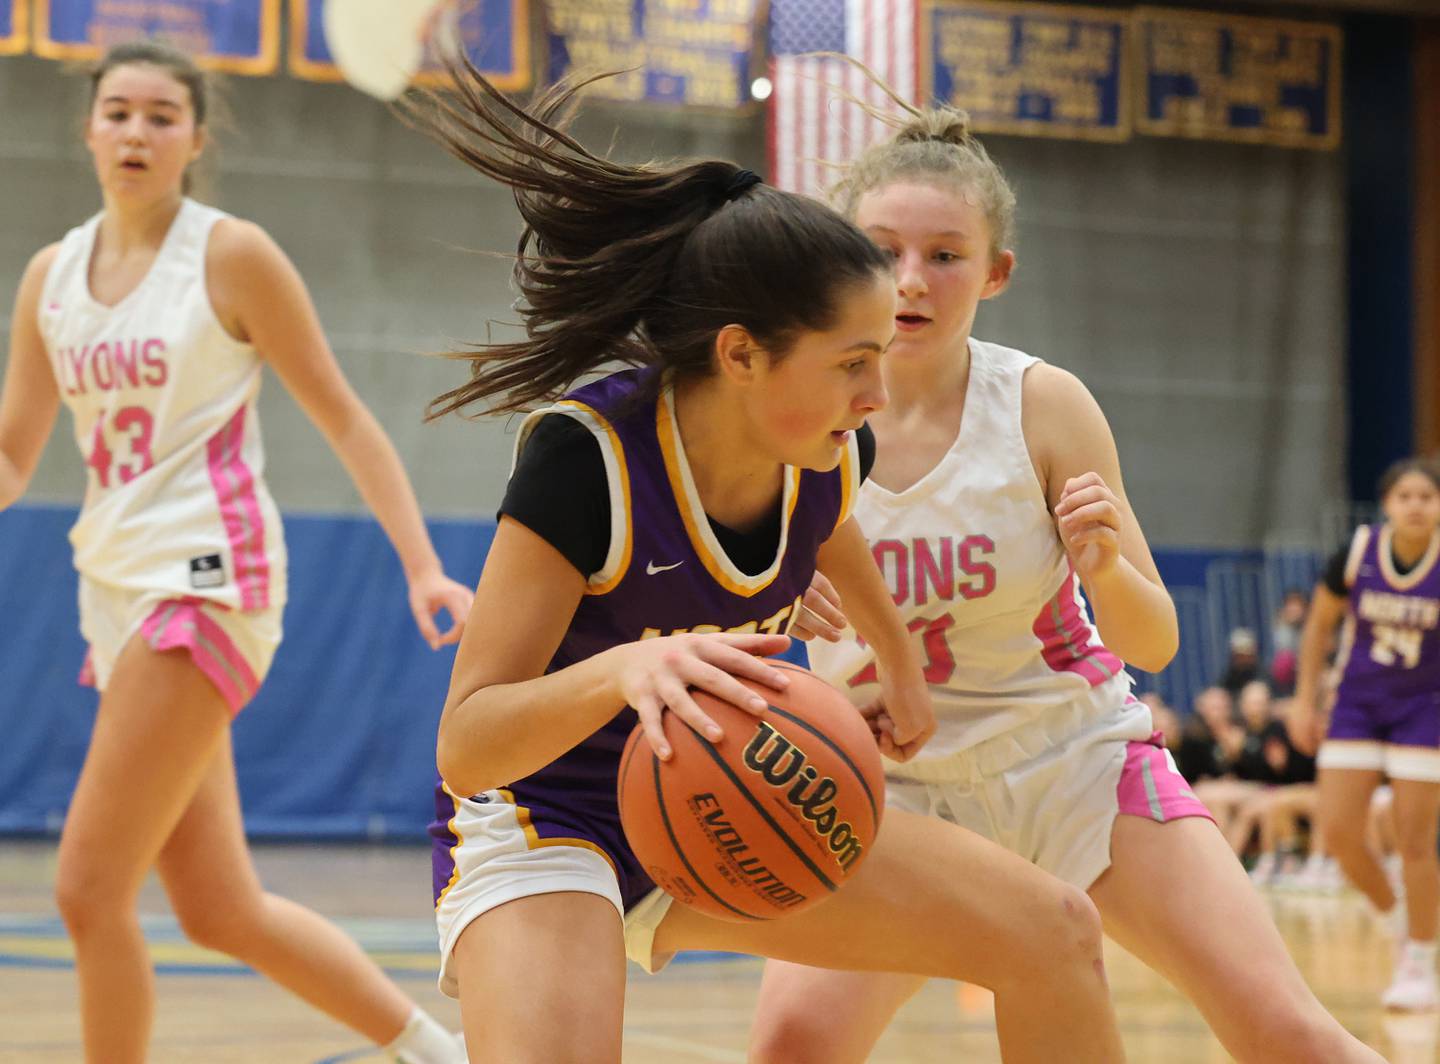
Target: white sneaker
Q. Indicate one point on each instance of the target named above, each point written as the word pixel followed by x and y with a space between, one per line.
pixel 1415 988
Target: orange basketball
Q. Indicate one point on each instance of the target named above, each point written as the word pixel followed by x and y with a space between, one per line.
pixel 768 821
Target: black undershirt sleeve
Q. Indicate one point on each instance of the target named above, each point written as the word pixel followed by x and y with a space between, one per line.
pixel 865 444
pixel 559 492
pixel 1334 577
pixel 575 520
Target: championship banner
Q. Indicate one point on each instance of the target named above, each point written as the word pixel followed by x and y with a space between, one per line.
pixel 1228 77
pixel 1035 69
pixel 14 26
pixel 496 35
pixel 693 53
pixel 236 36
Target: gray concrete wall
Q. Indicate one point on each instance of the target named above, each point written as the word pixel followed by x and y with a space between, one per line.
pixel 1196 287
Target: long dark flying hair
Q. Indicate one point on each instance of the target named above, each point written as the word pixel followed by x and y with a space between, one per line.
pixel 633 264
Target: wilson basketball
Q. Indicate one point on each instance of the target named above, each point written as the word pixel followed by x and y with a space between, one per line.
pixel 768 821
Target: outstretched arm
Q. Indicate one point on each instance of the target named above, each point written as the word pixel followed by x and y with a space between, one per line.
pixel 261 298
pixel 30 400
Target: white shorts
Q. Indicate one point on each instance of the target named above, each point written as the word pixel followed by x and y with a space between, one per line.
pixel 1418 764
pixel 232 648
pixel 1051 789
pixel 497 857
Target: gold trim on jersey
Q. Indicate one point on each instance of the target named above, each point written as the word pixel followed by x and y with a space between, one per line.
pixel 617 477
pixel 697 525
pixel 535 842
pixel 450 827
pixel 849 478
pixel 1384 550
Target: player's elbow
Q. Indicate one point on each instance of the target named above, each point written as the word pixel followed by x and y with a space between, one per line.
pixel 462 772
pixel 13 480
pixel 1156 651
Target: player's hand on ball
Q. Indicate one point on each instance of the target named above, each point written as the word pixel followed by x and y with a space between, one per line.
pixel 656 674
pixel 1088 520
pixel 902 719
pixel 432 591
pixel 821 615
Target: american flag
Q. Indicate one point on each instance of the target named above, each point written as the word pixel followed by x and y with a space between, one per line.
pixel 811 125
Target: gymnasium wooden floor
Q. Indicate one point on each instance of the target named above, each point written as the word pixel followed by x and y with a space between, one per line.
pixel 211 1012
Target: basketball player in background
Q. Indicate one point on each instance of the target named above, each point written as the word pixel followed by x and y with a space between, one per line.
pixel 152 322
pixel 996 494
pixel 1385 721
pixel 694 492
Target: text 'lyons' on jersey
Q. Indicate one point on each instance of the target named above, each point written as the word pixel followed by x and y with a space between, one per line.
pixel 1390 646
pixel 974 563
pixel 163 401
pixel 666 573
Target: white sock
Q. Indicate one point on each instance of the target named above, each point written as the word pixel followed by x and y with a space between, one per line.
pixel 424 1041
pixel 1395 920
pixel 1423 953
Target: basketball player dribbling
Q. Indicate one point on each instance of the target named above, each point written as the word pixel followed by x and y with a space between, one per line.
pixel 659 530
pixel 1386 718
pixel 152 322
pixel 996 493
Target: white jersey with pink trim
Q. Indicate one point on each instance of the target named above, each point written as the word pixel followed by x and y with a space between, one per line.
pixel 973 560
pixel 163 400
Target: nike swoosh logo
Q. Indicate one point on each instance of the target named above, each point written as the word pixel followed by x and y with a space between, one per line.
pixel 651 569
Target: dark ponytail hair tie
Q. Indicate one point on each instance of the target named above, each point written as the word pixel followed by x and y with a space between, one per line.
pixel 739 184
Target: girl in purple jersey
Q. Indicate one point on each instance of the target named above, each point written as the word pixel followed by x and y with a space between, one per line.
pixel 178 649
pixel 1039 745
pixel 1385 721
pixel 701 482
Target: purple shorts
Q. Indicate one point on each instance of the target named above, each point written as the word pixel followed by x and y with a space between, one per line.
pixel 586 817
pixel 1412 721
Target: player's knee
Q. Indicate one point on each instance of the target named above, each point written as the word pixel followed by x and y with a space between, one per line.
pixel 85 897
pixel 219 927
pixel 787 1040
pixel 1343 840
pixel 1062 939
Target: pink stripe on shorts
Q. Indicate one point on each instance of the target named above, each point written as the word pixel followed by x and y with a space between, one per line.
pixel 1151 785
pixel 183 623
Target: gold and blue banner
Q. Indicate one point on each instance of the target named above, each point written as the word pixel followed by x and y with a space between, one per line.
pixel 1033 69
pixel 496 35
pixel 1229 77
pixel 693 53
pixel 236 36
pixel 14 26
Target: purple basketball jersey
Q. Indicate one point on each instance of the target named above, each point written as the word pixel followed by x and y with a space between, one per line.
pixel 665 574
pixel 1391 644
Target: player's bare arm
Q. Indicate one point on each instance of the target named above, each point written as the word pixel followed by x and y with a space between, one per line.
pixel 1079 469
pixel 30 401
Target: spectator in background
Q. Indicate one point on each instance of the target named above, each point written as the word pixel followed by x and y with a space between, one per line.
pixel 1211 738
pixel 1285 640
pixel 1244 663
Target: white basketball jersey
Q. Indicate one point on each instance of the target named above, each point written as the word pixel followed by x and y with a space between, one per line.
pixel 974 562
pixel 163 400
